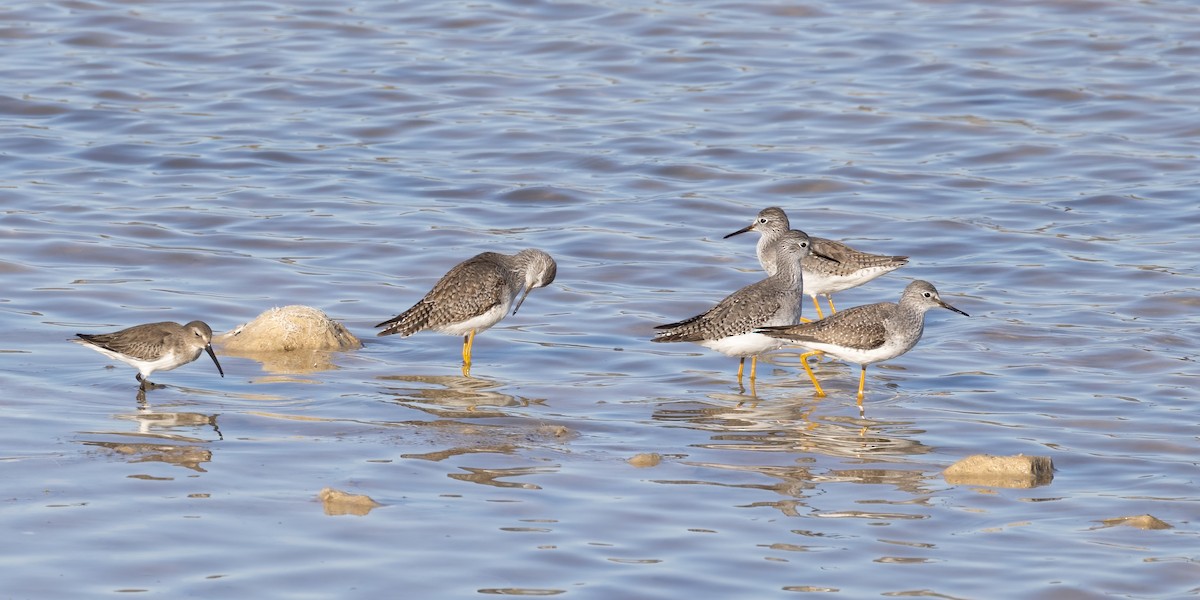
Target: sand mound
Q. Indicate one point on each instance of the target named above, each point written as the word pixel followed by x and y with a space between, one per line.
pixel 287 329
pixel 1017 471
pixel 290 340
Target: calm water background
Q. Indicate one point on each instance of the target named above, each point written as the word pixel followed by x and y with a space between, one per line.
pixel 210 159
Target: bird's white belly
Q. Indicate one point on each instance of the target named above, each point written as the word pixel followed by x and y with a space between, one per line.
pixel 887 351
pixel 745 344
pixel 478 323
pixel 166 362
pixel 817 283
pixel 172 359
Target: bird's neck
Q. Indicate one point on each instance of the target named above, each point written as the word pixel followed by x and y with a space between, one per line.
pixel 787 269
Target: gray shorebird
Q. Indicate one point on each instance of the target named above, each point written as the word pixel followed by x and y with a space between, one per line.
pixel 154 346
pixel 475 295
pixel 865 334
pixel 822 277
pixel 729 327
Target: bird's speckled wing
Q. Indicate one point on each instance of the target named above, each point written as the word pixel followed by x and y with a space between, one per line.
pixel 848 259
pixel 143 342
pixel 468 290
pixel 860 327
pixel 835 250
pixel 740 312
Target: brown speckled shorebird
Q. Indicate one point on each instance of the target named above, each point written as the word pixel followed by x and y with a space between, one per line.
pixel 729 326
pixel 154 346
pixel 822 277
pixel 866 334
pixel 475 295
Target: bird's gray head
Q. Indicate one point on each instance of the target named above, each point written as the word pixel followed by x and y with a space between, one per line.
pixel 926 296
pixel 770 221
pixel 793 244
pixel 202 338
pixel 200 331
pixel 539 270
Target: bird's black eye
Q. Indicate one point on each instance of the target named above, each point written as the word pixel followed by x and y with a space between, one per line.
pixel 762 220
pixel 928 295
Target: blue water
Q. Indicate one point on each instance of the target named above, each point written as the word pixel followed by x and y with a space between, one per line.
pixel 211 160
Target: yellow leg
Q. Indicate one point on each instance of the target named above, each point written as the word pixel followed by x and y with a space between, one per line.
pixel 753 367
pixel 804 362
pixel 820 315
pixel 741 365
pixel 468 341
pixel 862 380
pixel 831 308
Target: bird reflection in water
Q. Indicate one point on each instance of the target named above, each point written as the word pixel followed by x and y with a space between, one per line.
pixel 790 426
pixel 451 395
pixel 493 476
pixel 167 445
pixel 738 433
pixel 188 457
pixel 451 398
pixel 151 422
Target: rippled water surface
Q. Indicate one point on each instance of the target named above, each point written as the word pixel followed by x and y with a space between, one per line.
pixel 212 159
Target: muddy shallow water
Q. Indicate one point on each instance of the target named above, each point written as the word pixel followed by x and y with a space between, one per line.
pixel 211 160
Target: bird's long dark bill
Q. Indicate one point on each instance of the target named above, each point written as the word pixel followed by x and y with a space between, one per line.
pixel 522 300
pixel 214 357
pixel 947 306
pixel 740 231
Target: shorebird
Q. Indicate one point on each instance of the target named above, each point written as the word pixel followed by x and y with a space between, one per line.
pixel 822 277
pixel 475 295
pixel 865 334
pixel 154 346
pixel 729 327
